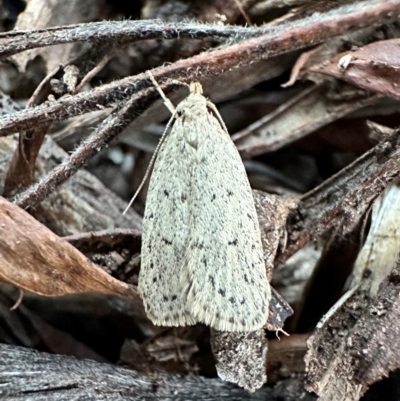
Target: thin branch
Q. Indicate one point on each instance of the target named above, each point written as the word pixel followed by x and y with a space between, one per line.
pixel 106 240
pixel 243 12
pixel 19 299
pixel 126 31
pixel 281 39
pixel 129 31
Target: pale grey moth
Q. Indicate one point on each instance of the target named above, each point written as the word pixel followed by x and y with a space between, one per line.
pixel 202 258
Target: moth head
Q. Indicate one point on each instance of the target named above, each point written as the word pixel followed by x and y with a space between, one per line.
pixel 195 87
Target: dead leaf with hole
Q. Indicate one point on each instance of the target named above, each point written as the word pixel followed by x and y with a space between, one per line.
pixel 35 259
pixel 374 67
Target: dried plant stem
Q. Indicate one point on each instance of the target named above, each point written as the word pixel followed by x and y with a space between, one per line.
pixel 105 133
pixel 281 39
pixel 19 299
pixel 243 12
pixel 340 202
pixel 126 31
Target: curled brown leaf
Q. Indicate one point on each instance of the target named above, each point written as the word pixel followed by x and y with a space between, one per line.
pixel 37 260
pixel 374 67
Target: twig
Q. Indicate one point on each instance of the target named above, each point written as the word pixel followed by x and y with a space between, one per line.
pixel 93 72
pixel 340 201
pixel 127 31
pixel 243 12
pixel 106 240
pixel 281 39
pixel 105 133
pixel 19 300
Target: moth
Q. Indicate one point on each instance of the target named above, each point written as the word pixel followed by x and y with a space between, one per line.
pixel 202 258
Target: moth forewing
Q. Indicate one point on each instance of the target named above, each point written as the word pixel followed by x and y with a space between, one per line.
pixel 202 258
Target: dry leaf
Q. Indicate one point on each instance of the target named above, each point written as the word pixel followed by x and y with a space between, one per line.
pixel 35 259
pixel 374 67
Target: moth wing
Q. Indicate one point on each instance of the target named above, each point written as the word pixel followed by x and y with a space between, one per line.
pixel 165 235
pixel 230 290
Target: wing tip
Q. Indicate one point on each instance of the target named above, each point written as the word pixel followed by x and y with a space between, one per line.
pixel 218 321
pixel 223 321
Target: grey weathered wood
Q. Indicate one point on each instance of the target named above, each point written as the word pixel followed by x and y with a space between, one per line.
pixel 30 375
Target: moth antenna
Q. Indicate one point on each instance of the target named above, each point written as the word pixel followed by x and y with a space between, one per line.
pixel 176 82
pixel 171 108
pixel 167 102
pixel 216 112
pixel 152 160
pixel 194 87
